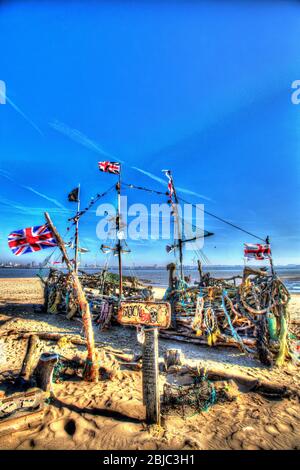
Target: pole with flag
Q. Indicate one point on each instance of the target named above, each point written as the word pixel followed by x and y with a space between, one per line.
pixel 270 256
pixel 77 231
pixel 172 192
pixel 91 371
pixel 118 224
pixel 74 196
pixel 115 169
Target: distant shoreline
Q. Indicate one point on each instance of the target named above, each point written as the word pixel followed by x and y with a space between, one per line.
pixel 158 278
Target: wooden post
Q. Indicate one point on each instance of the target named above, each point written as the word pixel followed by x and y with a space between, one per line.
pixel 151 398
pixel 172 268
pixel 172 357
pixel 29 358
pixel 200 270
pixel 44 371
pixel 91 372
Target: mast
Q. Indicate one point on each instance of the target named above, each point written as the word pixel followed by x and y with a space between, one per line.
pixel 77 232
pixel 179 228
pixel 172 192
pixel 119 247
pixel 270 257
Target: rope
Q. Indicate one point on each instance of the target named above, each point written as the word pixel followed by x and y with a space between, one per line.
pixel 132 186
pixel 91 203
pixel 234 333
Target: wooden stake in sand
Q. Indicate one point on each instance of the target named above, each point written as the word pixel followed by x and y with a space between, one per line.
pixel 31 351
pixel 151 398
pixel 44 371
pixel 91 372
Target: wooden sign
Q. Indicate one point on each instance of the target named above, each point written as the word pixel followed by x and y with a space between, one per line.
pixel 145 313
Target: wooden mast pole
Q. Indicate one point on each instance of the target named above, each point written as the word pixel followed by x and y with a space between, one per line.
pixel 119 247
pixel 91 372
pixel 77 232
pixel 270 257
pixel 179 228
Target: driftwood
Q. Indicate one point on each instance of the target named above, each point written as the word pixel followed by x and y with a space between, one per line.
pixel 21 411
pixel 4 323
pixel 263 387
pixel 91 372
pixel 22 423
pixel 54 336
pixel 172 357
pixel 193 339
pixel 44 371
pixel 30 357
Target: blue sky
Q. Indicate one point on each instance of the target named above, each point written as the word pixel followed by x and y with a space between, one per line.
pixel 202 88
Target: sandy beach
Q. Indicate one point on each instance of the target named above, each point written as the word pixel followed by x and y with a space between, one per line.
pixel 110 414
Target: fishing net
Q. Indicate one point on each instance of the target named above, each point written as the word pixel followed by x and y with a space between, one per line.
pixel 188 400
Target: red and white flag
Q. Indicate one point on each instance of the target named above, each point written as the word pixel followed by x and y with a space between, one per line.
pixel 110 167
pixel 257 251
pixel 170 183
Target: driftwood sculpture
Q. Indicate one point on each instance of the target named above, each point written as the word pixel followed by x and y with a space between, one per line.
pixel 216 312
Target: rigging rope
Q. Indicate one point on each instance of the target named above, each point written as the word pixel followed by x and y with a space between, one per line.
pixel 132 186
pixel 91 203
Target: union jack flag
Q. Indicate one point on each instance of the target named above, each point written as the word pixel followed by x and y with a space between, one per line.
pixel 31 239
pixel 110 167
pixel 257 251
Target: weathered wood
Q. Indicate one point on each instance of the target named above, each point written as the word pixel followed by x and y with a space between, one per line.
pixel 200 271
pixel 44 371
pixel 53 336
pixel 20 403
pixel 263 387
pixel 172 357
pixel 91 372
pixel 156 314
pixel 22 423
pixel 193 339
pixel 30 357
pixel 150 373
pixel 172 269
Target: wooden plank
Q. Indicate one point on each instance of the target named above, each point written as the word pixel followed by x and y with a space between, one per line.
pixel 150 374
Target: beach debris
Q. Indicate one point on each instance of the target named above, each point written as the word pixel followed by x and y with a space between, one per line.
pixel 172 357
pixel 251 316
pixel 245 382
pixel 29 360
pixel 191 398
pixel 44 371
pixel 21 411
pixel 100 289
